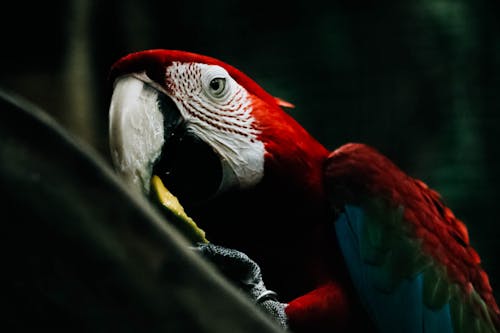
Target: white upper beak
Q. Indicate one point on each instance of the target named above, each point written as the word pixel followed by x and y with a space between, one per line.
pixel 136 130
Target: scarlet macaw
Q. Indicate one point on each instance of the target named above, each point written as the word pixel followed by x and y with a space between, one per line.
pixel 346 238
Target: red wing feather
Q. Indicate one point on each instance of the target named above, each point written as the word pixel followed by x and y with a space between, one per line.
pixel 355 172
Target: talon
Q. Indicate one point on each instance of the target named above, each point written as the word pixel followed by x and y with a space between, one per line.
pixel 267 295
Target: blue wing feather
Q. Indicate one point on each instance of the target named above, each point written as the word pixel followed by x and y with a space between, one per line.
pixel 401 309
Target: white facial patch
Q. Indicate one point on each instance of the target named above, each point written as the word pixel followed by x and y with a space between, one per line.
pixel 218 111
pixel 136 130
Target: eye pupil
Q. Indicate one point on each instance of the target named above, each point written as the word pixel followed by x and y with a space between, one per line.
pixel 214 84
pixel 217 85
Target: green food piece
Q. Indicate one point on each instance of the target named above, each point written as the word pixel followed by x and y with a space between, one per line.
pixel 170 202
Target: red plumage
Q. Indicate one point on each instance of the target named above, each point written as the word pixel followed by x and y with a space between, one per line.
pixel 292 154
pixel 356 171
pixel 303 191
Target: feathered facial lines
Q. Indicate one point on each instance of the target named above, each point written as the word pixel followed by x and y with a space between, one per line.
pixel 208 96
pixel 219 111
pixel 217 104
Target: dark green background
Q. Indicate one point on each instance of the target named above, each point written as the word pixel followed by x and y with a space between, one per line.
pixel 418 80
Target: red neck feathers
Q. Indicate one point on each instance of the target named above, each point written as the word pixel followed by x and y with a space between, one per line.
pixel 293 158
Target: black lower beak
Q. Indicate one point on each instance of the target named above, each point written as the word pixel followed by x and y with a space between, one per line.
pixel 188 166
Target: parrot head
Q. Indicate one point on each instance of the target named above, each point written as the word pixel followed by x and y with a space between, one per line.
pixel 199 124
pixel 240 165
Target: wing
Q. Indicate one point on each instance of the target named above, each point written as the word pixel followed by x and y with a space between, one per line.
pixel 408 255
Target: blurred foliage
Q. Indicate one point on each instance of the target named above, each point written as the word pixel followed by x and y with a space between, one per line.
pixel 417 79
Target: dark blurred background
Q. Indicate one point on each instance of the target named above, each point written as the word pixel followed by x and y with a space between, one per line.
pixel 418 80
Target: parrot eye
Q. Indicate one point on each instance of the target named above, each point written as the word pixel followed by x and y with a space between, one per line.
pixel 217 83
pixel 217 86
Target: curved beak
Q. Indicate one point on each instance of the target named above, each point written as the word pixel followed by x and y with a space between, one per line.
pixel 141 118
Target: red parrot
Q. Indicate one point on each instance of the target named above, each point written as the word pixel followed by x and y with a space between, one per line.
pixel 347 240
